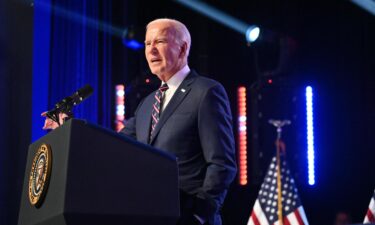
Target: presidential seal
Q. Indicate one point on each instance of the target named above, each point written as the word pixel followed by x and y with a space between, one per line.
pixel 39 175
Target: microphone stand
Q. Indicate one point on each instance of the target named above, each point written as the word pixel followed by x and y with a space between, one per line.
pixel 64 106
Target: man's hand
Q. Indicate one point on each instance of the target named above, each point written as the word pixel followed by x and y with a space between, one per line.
pixel 50 124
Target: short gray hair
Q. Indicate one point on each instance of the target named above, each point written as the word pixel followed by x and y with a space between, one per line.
pixel 183 33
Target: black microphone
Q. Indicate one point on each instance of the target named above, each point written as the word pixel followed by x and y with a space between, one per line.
pixel 66 105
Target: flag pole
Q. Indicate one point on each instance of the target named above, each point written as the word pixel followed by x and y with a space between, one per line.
pixel 279 124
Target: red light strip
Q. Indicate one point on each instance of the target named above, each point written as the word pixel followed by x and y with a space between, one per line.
pixel 242 136
pixel 120 107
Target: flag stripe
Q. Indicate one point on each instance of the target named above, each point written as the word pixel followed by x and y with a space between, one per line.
pixel 260 214
pixel 302 215
pixel 253 219
pixel 372 206
pixel 370 214
pixel 298 217
pixel 250 222
pixel 293 219
pixel 370 217
pixel 286 221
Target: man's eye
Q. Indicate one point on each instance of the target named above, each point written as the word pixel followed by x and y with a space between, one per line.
pixel 160 41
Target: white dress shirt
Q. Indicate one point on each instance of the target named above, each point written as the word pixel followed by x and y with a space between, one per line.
pixel 173 83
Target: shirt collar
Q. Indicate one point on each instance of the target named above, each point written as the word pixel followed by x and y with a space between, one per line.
pixel 178 77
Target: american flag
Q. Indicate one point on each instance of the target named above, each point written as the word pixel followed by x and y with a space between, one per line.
pixel 265 207
pixel 370 215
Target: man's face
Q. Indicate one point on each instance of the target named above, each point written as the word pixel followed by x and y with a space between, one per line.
pixel 163 53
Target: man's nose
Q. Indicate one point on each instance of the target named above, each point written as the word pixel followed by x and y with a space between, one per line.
pixel 153 48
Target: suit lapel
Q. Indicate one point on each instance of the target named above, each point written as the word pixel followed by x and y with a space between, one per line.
pixel 181 92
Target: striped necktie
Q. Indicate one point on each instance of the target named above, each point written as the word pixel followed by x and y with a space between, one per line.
pixel 157 106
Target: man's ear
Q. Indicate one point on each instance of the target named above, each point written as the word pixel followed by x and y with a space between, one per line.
pixel 183 49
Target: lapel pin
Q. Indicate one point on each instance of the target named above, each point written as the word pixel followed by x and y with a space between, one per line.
pixel 183 90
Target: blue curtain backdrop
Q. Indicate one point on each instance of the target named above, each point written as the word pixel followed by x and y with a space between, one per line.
pixel 80 54
pixel 41 64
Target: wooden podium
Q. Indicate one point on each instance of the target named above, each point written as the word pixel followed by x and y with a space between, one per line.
pixel 82 174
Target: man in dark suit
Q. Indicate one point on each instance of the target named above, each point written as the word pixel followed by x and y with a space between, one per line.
pixel 189 116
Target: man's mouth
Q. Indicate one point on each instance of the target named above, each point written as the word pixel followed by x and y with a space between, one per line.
pixel 155 60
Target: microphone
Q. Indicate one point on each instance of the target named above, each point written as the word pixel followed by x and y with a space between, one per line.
pixel 66 105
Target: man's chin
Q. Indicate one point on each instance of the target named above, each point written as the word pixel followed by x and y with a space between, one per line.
pixel 156 71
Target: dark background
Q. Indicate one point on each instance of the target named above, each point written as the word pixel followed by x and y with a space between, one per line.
pixel 333 50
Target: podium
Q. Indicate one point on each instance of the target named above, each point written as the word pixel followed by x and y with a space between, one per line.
pixel 90 175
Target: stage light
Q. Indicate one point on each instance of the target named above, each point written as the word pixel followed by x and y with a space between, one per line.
pixel 242 136
pixel 132 44
pixel 368 5
pixel 120 92
pixel 128 39
pixel 126 34
pixel 252 33
pixel 310 135
pixel 120 107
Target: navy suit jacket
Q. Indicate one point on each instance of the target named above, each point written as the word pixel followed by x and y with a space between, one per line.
pixel 196 126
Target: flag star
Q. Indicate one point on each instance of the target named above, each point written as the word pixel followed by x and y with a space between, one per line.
pixel 271 195
pixel 273 210
pixel 267 209
pixel 274 203
pixel 288 201
pixel 271 217
pixel 263 200
pixel 265 193
pixel 285 185
pixel 286 208
pixel 269 202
